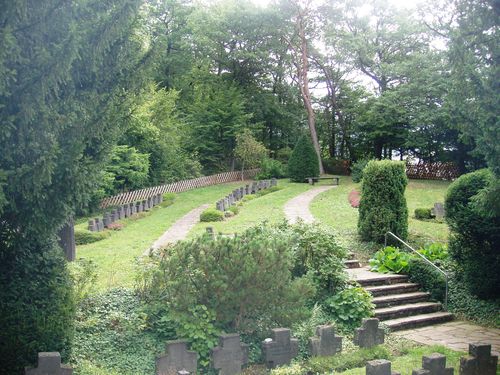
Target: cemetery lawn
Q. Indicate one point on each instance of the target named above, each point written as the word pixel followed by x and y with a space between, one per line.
pixel 268 208
pixel 115 256
pixel 333 208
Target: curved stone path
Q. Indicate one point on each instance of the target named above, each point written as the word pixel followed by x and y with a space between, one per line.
pixel 179 230
pixel 298 207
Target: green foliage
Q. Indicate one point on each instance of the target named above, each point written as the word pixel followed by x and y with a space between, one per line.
pixel 270 168
pixel 390 259
pixel 307 329
pixel 357 170
pixel 475 238
pixel 435 252
pixel 37 309
pixel 270 190
pixel 84 275
pixel 427 277
pixel 283 154
pixel 234 209
pixel 112 333
pixel 84 236
pixel 128 168
pixel 245 281
pixel 211 214
pixel 383 204
pixel 335 166
pixel 198 327
pixel 168 199
pixel 348 307
pixel 303 162
pixel 423 213
pixel 248 150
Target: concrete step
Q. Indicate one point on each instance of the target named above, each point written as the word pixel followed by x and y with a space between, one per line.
pixel 400 299
pixel 381 279
pixel 394 312
pixel 418 321
pixel 352 263
pixel 384 290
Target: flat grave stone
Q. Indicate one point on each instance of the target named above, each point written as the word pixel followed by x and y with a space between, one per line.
pixel 434 364
pixel 325 343
pixel 479 362
pixel 49 363
pixel 369 334
pixel 280 349
pixel 176 358
pixel 380 367
pixel 230 355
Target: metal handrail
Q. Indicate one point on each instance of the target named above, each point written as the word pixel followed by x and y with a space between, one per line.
pixel 426 260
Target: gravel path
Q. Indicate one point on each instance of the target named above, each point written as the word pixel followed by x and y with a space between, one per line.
pixel 298 207
pixel 180 229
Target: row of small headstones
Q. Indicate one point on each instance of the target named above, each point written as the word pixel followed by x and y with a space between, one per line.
pixel 239 193
pixel 126 210
pixel 231 354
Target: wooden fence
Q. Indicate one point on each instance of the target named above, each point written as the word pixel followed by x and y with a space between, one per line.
pixel 177 187
pixel 432 171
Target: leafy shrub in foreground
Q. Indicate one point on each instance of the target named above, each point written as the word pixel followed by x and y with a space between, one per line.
pixel 390 259
pixel 303 162
pixel 357 170
pixel 348 307
pixel 423 213
pixel 475 238
pixel 383 205
pixel 211 214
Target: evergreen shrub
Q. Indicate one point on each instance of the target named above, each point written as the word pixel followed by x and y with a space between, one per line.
pixel 430 279
pixel 357 170
pixel 303 162
pixel 270 168
pixel 383 205
pixel 84 236
pixel 423 213
pixel 211 214
pixel 475 233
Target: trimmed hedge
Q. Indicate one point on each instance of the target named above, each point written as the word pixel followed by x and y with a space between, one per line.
pixel 211 214
pixel 428 278
pixel 475 233
pixel 383 205
pixel 303 162
pixel 84 236
pixel 423 213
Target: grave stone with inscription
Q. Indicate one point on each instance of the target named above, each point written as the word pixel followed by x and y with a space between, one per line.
pixel 379 367
pixel 49 364
pixel 92 226
pixel 230 355
pixel 176 358
pixel 434 364
pixel 99 224
pixel 325 343
pixel 280 349
pixel 438 211
pixel 479 362
pixel 369 334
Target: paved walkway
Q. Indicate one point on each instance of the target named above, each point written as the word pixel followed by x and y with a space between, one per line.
pixel 179 230
pixel 298 207
pixel 455 335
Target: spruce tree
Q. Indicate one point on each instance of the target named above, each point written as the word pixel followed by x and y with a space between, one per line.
pixel 303 162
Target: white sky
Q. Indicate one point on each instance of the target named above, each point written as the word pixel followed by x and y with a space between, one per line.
pixel 398 3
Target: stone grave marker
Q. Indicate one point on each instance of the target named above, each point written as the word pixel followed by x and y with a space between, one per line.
pixel 242 192
pixel 230 355
pixel 434 364
pixel 325 343
pixel 150 203
pixel 226 203
pixel 107 219
pixel 379 367
pixel 369 334
pixel 67 240
pixel 160 198
pixel 248 190
pixel 122 212
pixel 133 208
pixel 49 363
pixel 139 207
pixel 438 211
pixel 280 350
pixel 126 207
pixel 230 198
pixel 99 224
pixel 274 182
pixel 114 215
pixel 479 362
pixel 145 205
pixel 92 226
pixel 253 188
pixel 219 205
pixel 176 358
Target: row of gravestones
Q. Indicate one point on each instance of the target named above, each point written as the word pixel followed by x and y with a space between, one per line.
pixel 231 354
pixel 239 193
pixel 123 211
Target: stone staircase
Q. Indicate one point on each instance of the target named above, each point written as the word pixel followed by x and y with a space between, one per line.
pixel 399 303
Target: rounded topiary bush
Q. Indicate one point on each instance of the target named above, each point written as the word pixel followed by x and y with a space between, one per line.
pixel 84 236
pixel 383 204
pixel 37 304
pixel 303 162
pixel 423 213
pixel 211 214
pixel 475 238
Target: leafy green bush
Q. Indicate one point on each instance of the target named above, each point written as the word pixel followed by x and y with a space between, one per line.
pixel 234 209
pixel 435 252
pixel 430 279
pixel 249 197
pixel 303 162
pixel 270 168
pixel 475 238
pixel 283 154
pixel 357 170
pixel 211 214
pixel 348 307
pixel 246 281
pixel 84 236
pixel 390 259
pixel 307 328
pixel 383 204
pixel 37 304
pixel 423 213
pixel 335 166
pixel 84 275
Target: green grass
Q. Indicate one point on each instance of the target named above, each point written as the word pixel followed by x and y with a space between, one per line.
pixel 267 207
pixel 115 256
pixel 332 208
